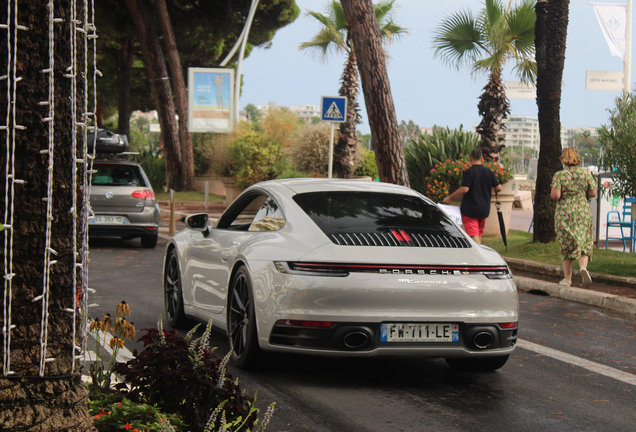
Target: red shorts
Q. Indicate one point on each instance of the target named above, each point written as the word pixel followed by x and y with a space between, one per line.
pixel 474 226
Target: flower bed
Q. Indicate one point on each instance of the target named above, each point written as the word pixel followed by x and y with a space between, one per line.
pixel 446 177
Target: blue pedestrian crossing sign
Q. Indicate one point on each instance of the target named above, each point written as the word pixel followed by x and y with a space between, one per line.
pixel 333 109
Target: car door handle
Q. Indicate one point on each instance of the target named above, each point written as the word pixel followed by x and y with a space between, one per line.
pixel 224 257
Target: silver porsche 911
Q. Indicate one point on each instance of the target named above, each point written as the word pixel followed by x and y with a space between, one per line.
pixel 342 268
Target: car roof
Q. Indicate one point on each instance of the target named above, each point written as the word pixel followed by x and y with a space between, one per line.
pixel 118 161
pixel 306 185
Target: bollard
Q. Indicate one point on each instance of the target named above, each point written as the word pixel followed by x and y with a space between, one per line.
pixel 207 186
pixel 172 229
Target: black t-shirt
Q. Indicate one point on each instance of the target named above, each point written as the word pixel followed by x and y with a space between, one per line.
pixel 480 181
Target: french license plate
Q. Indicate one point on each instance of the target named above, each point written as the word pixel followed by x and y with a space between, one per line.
pixel 407 332
pixel 117 220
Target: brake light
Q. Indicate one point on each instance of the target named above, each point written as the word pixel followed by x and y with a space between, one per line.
pixel 510 325
pixel 143 194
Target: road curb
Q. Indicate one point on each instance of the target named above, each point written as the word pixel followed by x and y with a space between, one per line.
pixel 580 295
pixel 557 271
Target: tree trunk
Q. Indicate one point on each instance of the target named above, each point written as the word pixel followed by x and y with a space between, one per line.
pixel 345 149
pixel 158 75
pixel 185 141
pixel 493 108
pixel 125 60
pixel 58 401
pixel 365 33
pixel 550 37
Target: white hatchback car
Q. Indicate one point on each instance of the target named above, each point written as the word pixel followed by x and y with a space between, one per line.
pixel 344 268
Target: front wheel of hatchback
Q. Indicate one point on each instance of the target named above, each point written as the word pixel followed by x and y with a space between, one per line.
pixel 241 321
pixel 478 364
pixel 173 294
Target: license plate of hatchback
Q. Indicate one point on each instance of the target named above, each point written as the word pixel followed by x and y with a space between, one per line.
pixel 118 220
pixel 407 332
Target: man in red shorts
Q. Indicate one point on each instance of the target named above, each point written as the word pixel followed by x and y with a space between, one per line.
pixel 476 189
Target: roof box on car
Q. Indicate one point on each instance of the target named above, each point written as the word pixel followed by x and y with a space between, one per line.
pixel 106 141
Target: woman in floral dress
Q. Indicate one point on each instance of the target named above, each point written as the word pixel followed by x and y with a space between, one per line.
pixel 571 188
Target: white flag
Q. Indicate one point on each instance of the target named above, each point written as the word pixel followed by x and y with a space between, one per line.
pixel 612 18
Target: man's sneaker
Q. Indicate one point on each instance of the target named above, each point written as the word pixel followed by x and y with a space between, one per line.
pixel 566 282
pixel 587 279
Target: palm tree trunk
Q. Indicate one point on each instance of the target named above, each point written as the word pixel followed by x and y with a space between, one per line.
pixel 185 141
pixel 365 33
pixel 162 92
pixel 125 60
pixel 493 108
pixel 345 149
pixel 57 402
pixel 550 36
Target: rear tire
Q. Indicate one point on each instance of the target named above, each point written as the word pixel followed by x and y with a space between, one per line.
pixel 241 321
pixel 173 293
pixel 149 241
pixel 480 364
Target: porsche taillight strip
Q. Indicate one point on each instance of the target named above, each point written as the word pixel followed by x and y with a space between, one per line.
pixel 492 272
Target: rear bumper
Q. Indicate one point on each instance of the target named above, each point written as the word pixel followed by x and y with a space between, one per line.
pixel 143 223
pixel 125 231
pixel 363 339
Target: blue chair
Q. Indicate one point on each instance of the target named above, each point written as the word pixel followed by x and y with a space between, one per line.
pixel 622 221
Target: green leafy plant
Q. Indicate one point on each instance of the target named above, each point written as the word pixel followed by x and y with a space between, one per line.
pixel 154 167
pixel 618 144
pixel 425 151
pixel 309 152
pixel 253 158
pixel 183 377
pixel 117 413
pixel 368 167
pixel 446 177
pixel 209 152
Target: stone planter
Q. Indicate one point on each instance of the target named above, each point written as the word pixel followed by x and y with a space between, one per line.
pixel 506 198
pixel 215 184
pixel 231 190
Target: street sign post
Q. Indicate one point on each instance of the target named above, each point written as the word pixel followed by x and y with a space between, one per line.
pixel 333 109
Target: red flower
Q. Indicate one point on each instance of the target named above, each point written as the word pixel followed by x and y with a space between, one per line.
pixel 128 426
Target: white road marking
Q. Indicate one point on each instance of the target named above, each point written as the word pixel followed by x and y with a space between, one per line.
pixel 578 361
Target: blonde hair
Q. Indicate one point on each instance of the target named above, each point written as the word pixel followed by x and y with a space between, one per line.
pixel 570 157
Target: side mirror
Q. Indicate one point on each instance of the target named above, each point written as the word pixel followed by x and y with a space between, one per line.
pixel 198 222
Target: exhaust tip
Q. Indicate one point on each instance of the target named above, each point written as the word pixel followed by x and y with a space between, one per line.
pixel 355 339
pixel 483 339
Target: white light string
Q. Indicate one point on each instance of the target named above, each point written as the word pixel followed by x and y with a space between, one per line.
pixel 8 210
pixel 90 35
pixel 10 129
pixel 48 251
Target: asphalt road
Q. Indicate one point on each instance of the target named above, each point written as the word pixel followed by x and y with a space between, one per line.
pixel 574 368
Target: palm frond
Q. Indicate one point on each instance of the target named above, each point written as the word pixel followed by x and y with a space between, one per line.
pixel 526 70
pixel 459 40
pixel 326 41
pixel 339 17
pixel 323 19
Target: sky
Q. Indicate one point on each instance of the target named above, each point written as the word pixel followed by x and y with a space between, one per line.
pixel 424 89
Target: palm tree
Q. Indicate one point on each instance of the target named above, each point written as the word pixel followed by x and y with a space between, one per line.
pixel 551 30
pixel 334 36
pixel 486 43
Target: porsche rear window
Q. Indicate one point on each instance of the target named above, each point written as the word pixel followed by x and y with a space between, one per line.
pixel 369 218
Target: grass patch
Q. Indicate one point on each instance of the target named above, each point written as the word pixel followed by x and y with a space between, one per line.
pixel 190 196
pixel 603 260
